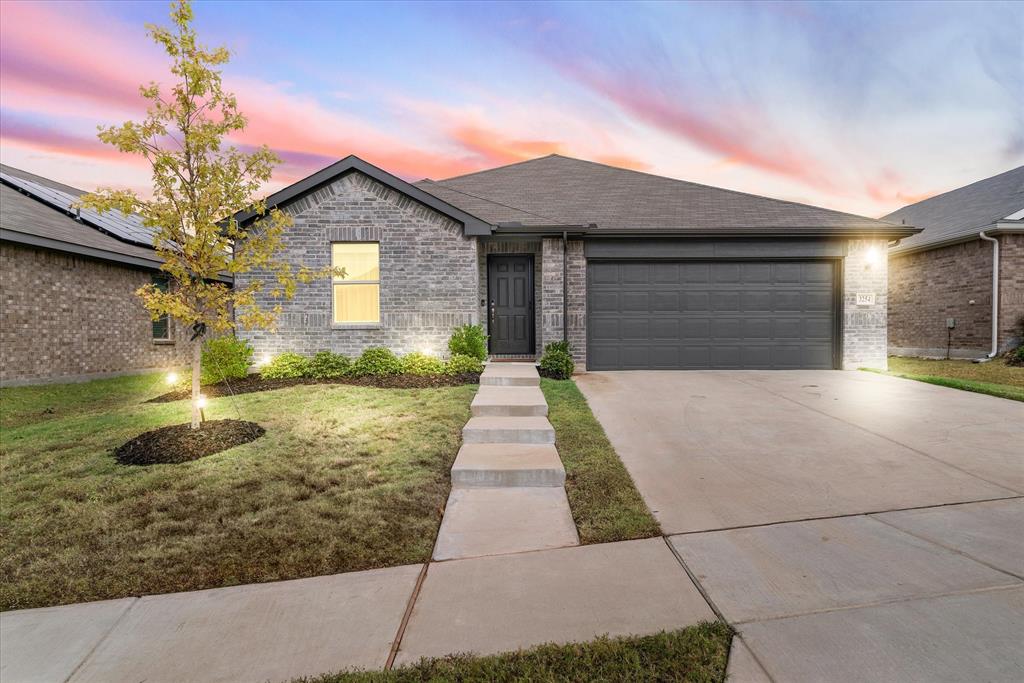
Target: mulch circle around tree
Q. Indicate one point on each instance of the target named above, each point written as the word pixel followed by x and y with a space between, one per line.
pixel 254 383
pixel 181 443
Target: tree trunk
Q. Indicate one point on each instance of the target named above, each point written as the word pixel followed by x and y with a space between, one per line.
pixel 197 358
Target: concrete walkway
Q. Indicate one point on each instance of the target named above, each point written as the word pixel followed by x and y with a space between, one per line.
pixel 278 631
pixel 508 492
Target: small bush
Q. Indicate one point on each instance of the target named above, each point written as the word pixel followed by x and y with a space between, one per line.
pixel 469 340
pixel 556 362
pixel 377 361
pixel 288 365
pixel 327 365
pixel 421 364
pixel 226 357
pixel 460 364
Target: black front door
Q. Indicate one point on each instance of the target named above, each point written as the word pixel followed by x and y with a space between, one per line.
pixel 510 303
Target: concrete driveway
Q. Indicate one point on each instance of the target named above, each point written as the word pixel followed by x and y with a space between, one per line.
pixel 851 526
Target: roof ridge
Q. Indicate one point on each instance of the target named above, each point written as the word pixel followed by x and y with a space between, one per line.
pixel 495 168
pixel 491 201
pixel 717 188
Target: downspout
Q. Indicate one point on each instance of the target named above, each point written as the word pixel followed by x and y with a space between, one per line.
pixel 565 286
pixel 995 297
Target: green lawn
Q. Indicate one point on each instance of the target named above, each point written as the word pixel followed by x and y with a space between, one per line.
pixel 697 654
pixel 346 478
pixel 995 377
pixel 604 500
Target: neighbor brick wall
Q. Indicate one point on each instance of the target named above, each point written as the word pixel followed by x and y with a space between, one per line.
pixel 428 273
pixel 927 287
pixel 1011 289
pixel 864 327
pixel 65 317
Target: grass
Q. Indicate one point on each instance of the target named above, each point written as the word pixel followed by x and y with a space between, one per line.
pixel 346 478
pixel 697 654
pixel 604 501
pixel 994 378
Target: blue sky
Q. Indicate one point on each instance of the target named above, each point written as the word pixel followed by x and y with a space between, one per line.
pixel 862 107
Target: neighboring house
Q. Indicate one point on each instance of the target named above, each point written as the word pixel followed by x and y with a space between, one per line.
pixel 637 271
pixel 941 281
pixel 68 308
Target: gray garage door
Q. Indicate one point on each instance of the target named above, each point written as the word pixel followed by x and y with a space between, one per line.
pixel 710 315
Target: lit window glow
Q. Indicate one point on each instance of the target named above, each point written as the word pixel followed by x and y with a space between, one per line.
pixel 356 297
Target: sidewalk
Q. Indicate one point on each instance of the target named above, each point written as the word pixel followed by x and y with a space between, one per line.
pixel 282 630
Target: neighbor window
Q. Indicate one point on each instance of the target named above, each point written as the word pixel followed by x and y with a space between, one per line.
pixel 357 295
pixel 162 325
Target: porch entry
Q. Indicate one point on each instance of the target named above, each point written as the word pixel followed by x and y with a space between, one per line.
pixel 510 306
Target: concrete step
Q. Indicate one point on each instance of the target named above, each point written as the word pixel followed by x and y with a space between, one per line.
pixel 535 430
pixel 507 465
pixel 510 375
pixel 512 401
pixel 495 521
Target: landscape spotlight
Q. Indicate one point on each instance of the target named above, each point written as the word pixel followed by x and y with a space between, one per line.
pixel 172 377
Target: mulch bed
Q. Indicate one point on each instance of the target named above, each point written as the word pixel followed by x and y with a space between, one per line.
pixel 254 383
pixel 181 443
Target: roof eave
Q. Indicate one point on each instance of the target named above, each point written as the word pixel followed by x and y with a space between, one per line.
pixel 992 230
pixel 867 232
pixel 471 224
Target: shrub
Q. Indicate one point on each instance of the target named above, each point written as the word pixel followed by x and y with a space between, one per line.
pixel 288 365
pixel 556 362
pixel 377 361
pixel 468 340
pixel 460 364
pixel 226 357
pixel 417 363
pixel 327 365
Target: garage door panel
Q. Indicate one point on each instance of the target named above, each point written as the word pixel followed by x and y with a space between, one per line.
pixel 700 315
pixel 666 329
pixel 665 301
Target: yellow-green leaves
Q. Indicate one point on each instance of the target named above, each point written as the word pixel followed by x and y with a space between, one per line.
pixel 199 182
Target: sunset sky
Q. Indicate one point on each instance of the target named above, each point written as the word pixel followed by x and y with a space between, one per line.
pixel 858 107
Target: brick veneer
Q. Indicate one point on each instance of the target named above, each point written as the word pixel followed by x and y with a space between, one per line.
pixel 428 274
pixel 864 327
pixel 66 317
pixel 927 287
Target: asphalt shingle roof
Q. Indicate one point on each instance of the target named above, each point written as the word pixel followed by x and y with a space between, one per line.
pixel 964 211
pixel 555 190
pixel 23 214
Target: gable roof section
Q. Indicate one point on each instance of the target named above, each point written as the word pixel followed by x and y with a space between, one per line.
pixel 28 219
pixel 556 190
pixel 962 213
pixel 471 224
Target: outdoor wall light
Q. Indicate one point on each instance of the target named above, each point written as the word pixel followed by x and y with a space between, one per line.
pixel 872 257
pixel 172 378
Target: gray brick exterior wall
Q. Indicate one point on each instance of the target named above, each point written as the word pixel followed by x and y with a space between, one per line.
pixel 864 327
pixel 64 317
pixel 927 287
pixel 428 282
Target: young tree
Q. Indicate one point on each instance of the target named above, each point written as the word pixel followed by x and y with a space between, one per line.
pixel 199 184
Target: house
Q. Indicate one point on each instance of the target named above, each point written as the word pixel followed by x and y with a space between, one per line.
pixel 68 308
pixel 636 271
pixel 957 288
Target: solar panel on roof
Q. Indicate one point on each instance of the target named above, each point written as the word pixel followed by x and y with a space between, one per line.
pixel 127 228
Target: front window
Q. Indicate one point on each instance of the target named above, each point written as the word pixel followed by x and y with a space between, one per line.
pixel 162 325
pixel 357 295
